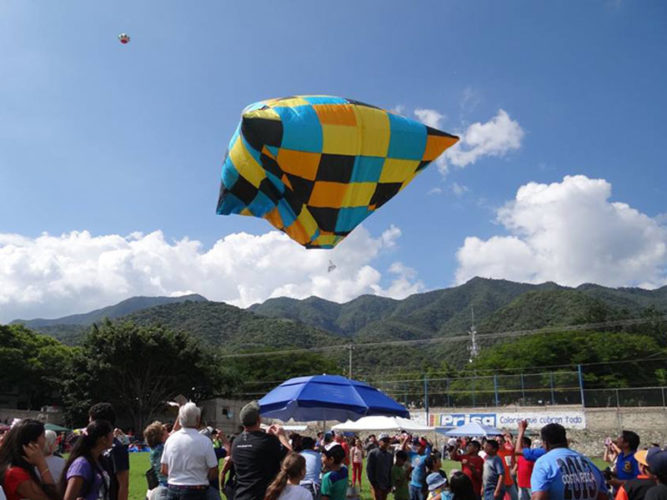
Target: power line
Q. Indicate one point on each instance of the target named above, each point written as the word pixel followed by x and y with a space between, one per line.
pixel 454 338
pixel 522 369
pixel 491 370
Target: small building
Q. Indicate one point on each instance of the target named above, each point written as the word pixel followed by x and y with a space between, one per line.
pixel 223 414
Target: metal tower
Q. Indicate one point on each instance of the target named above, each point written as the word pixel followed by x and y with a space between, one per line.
pixel 473 348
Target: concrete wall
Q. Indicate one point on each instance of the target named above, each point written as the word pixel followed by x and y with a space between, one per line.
pixel 52 417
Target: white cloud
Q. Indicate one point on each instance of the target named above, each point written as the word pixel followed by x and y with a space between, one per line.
pixel 435 190
pixel 459 189
pixel 569 232
pixel 399 109
pixel 470 99
pixel 496 137
pixel 51 276
pixel 430 117
pixel 403 285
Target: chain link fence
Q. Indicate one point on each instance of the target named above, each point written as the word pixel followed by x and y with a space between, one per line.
pixel 551 388
pixel 529 389
pixel 626 397
pixel 535 389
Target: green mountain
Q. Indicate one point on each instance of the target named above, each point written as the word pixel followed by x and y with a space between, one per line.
pixel 559 307
pixel 345 319
pixel 112 312
pixel 424 315
pixel 233 329
pixel 369 322
pixel 71 329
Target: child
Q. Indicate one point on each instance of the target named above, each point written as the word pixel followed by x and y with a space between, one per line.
pixel 399 477
pixel 334 481
pixel 493 487
pixel 436 487
pixel 286 484
pixel 357 453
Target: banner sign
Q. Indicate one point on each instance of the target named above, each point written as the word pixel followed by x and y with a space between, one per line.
pixel 509 420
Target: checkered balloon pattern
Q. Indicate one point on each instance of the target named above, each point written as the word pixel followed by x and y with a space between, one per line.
pixel 316 166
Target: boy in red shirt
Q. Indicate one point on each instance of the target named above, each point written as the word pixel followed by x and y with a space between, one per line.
pixel 506 454
pixel 524 469
pixel 472 465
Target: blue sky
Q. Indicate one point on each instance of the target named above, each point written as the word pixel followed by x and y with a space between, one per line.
pixel 110 155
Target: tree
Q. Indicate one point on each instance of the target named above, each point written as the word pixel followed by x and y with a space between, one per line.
pixel 138 369
pixel 611 359
pixel 259 374
pixel 33 364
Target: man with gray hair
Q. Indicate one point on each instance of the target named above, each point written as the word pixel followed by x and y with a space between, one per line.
pixel 188 459
pixel 257 454
pixel 56 464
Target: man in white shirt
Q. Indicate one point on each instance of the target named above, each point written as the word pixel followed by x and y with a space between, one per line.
pixel 56 464
pixel 188 459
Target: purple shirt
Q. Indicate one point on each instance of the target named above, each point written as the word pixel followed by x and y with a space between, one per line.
pixel 92 478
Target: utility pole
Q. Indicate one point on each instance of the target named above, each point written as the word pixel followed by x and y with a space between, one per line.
pixel 474 349
pixel 349 368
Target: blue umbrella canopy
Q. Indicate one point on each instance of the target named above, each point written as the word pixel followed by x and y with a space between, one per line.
pixel 327 397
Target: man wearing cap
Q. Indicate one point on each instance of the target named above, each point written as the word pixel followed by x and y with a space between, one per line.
pixel 378 468
pixel 472 465
pixel 636 489
pixel 563 473
pixel 417 456
pixel 257 454
pixel 657 462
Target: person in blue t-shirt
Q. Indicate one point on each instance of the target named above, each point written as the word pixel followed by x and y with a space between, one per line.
pixel 417 457
pixel 564 474
pixel 530 454
pixel 626 466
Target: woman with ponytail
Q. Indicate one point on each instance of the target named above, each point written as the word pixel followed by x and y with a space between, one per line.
pixel 20 454
pixel 286 484
pixel 83 477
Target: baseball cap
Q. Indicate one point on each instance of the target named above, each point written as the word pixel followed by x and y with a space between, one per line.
pixel 249 414
pixel 640 456
pixel 657 461
pixel 383 437
pixel 334 450
pixel 434 481
pixel 419 442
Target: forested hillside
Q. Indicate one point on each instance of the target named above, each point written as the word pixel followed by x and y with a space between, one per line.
pixel 435 323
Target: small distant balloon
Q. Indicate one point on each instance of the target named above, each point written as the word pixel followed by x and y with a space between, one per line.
pixel 331 266
pixel 124 38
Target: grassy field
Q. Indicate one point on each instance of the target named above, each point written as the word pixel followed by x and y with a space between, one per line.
pixel 139 464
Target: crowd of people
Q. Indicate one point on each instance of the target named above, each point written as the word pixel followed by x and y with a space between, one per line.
pixel 263 463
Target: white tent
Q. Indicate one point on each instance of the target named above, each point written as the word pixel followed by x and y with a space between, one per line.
pixel 473 429
pixel 289 427
pixel 379 423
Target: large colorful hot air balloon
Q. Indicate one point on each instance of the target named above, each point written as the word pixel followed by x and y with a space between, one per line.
pixel 317 166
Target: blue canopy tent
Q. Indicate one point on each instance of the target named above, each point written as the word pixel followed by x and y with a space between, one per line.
pixel 327 397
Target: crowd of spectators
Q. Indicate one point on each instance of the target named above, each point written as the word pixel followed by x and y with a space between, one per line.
pixel 265 463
